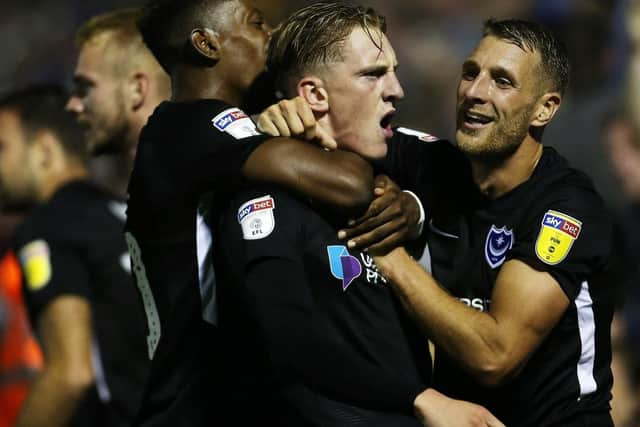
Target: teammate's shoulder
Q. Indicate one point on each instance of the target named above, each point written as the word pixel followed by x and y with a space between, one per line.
pixel 562 181
pixel 204 114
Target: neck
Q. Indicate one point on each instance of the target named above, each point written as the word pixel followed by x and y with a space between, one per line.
pixel 112 172
pixel 496 178
pixel 59 177
pixel 189 83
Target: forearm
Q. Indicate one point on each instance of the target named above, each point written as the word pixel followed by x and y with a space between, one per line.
pixel 340 179
pixel 472 337
pixel 51 402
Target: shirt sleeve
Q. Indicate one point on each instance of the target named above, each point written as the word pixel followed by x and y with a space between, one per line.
pixel 220 141
pixel 297 340
pixel 50 269
pixel 570 238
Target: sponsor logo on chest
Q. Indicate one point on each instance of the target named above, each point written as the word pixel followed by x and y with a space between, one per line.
pixel 347 267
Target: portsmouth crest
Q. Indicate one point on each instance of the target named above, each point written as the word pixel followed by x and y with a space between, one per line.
pixel 498 243
pixel 557 234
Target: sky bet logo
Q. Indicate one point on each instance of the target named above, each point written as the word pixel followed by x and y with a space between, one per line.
pixel 223 122
pixel 551 219
pixel 255 207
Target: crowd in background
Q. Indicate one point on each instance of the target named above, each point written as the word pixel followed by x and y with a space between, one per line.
pixel 598 129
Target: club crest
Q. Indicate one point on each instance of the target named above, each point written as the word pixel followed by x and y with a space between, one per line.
pixel 498 243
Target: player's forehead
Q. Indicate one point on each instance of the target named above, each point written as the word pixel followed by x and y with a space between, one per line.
pixel 368 47
pixel 235 12
pixel 95 58
pixel 495 53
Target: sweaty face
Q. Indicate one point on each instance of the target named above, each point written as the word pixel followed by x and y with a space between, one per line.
pixel 98 97
pixel 363 91
pixel 244 35
pixel 497 94
pixel 17 168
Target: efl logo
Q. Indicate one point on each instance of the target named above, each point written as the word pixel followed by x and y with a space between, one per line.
pixel 223 122
pixel 563 224
pixel 255 207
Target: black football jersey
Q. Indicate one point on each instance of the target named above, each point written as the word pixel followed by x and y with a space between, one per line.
pixel 309 325
pixel 73 245
pixel 554 222
pixel 186 151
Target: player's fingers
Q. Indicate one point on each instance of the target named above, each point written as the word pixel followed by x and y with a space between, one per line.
pixel 324 139
pixel 384 182
pixel 266 125
pixel 385 207
pixel 493 421
pixel 376 235
pixel 306 116
pixel 385 245
pixel 279 122
pixel 290 114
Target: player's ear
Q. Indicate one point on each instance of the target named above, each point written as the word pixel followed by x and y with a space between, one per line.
pixel 137 90
pixel 44 149
pixel 205 44
pixel 546 108
pixel 312 89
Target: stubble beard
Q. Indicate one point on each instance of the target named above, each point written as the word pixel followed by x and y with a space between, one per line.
pixel 502 141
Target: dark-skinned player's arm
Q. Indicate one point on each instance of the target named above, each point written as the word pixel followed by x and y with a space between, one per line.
pixel 339 179
pixel 388 217
pixel 65 332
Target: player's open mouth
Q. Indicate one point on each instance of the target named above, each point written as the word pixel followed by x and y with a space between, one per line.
pixel 474 120
pixel 385 124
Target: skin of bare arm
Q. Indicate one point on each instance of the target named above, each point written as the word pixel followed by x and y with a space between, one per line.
pixel 65 333
pixel 492 346
pixel 338 178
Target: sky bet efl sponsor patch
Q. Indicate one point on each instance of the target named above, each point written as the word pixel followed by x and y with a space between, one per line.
pixel 557 234
pixel 236 123
pixel 256 218
pixel 36 264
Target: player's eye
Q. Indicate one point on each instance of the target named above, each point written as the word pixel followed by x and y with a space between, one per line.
pixel 503 82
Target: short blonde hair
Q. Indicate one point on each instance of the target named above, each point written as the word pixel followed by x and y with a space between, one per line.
pixel 314 36
pixel 123 39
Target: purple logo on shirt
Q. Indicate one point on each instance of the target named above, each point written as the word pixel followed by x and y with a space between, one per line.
pixel 343 266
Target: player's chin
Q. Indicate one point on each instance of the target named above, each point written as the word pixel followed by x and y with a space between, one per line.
pixel 376 151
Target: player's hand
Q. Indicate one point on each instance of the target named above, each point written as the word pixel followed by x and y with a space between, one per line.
pixel 294 118
pixel 390 220
pixel 434 409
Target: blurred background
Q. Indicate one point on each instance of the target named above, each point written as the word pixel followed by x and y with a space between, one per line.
pixel 597 127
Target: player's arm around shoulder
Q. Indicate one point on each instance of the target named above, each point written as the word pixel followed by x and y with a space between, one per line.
pixel 64 328
pixel 338 178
